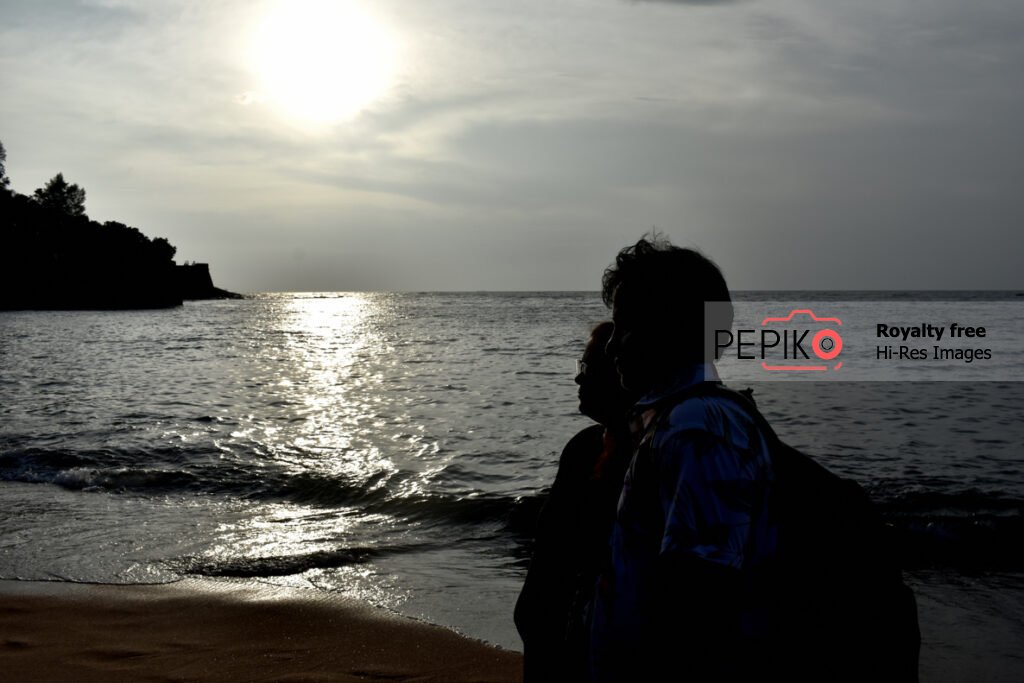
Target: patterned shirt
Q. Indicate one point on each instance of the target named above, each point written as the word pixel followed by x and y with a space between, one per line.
pixel 695 490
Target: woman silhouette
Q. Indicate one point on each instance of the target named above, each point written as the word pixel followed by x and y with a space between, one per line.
pixel 573 528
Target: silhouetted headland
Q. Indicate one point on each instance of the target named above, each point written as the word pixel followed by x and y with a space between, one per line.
pixel 55 257
pixel 195 282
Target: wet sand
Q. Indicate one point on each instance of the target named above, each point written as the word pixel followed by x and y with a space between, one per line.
pixel 209 631
pixel 218 631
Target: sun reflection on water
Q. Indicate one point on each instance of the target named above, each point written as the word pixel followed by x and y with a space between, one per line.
pixel 347 431
pixel 331 342
pixel 322 431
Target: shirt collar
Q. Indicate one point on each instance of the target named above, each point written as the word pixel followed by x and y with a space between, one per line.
pixel 677 381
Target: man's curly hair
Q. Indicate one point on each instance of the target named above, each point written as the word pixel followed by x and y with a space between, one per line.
pixel 675 281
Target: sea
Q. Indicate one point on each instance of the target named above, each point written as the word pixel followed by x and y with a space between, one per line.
pixel 397 447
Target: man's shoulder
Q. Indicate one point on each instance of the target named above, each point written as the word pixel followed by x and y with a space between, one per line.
pixel 719 417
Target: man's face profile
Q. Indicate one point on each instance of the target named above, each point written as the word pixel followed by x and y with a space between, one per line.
pixel 633 345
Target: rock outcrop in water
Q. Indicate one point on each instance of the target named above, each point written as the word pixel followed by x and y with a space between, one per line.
pixel 54 259
pixel 195 282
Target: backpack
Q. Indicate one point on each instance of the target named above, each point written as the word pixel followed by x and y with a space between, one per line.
pixel 837 604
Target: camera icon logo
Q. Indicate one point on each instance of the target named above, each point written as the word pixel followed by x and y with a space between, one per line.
pixel 826 343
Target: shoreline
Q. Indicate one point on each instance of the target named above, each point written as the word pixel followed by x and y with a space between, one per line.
pixel 202 630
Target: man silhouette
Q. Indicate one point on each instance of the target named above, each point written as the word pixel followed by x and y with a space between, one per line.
pixel 670 603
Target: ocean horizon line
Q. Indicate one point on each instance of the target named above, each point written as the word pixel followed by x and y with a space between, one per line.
pixel 597 291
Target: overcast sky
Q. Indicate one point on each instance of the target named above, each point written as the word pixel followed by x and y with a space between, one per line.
pixel 485 145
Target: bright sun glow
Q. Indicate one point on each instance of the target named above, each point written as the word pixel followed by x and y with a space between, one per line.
pixel 320 61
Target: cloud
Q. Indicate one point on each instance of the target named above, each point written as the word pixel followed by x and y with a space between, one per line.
pixel 250 97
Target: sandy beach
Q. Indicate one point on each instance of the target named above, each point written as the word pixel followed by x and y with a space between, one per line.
pixel 211 631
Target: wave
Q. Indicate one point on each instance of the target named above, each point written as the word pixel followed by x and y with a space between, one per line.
pixel 278 565
pixel 970 528
pixel 172 472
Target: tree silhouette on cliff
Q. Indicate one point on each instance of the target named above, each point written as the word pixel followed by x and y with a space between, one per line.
pixel 4 180
pixel 56 257
pixel 61 196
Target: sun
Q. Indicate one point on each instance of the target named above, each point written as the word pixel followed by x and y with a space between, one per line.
pixel 319 61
